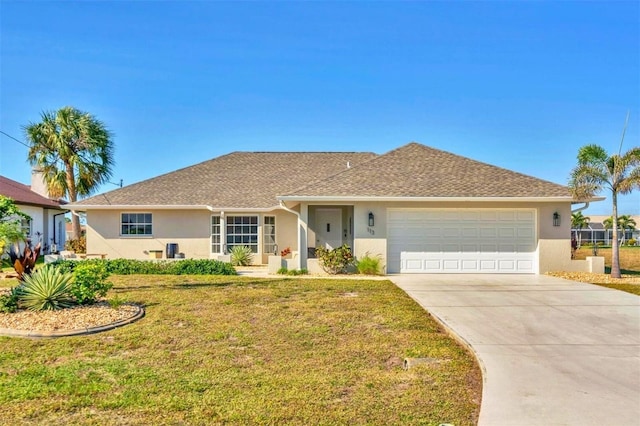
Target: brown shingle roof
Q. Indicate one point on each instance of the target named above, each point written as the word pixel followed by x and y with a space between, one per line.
pixel 240 180
pixel 22 194
pixel 415 170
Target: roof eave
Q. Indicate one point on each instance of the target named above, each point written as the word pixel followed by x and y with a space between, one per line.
pixel 83 207
pixel 434 199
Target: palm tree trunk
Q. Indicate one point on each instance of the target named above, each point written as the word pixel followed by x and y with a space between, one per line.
pixel 615 249
pixel 73 197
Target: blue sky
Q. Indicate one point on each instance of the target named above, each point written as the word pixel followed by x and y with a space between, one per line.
pixel 522 85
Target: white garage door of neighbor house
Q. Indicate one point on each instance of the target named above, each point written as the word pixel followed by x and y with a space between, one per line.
pixel 461 241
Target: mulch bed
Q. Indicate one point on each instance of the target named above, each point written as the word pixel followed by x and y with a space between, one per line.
pixel 587 277
pixel 76 318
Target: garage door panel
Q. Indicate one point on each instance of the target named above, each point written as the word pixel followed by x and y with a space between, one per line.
pixel 488 266
pixel 461 240
pixel 509 216
pixel 451 233
pixel 470 265
pixel 451 265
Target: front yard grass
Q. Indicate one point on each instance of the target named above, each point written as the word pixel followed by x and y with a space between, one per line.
pixel 236 350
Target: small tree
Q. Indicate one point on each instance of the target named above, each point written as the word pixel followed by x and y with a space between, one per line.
pixel 579 221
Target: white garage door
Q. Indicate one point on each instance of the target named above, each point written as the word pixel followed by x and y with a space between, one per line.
pixel 461 240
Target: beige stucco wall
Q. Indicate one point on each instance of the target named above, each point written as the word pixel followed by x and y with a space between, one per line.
pixel 286 232
pixel 190 229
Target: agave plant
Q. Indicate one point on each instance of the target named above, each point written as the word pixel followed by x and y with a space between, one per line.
pixel 46 289
pixel 241 256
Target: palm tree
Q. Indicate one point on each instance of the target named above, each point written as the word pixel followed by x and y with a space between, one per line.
pixel 625 222
pixel 578 221
pixel 597 171
pixel 74 152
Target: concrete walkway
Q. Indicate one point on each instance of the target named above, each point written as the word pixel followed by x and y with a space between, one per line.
pixel 553 352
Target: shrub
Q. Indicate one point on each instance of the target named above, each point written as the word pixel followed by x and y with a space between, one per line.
pixel 9 301
pixel 150 267
pixel 90 282
pixel 285 271
pixel 78 245
pixel 202 267
pixel 368 265
pixel 632 242
pixel 116 302
pixel 335 261
pixel 46 289
pixel 241 256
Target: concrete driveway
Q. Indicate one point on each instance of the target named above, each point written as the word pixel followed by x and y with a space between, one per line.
pixel 553 352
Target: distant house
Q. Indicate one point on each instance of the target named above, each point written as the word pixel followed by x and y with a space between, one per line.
pixel 596 232
pixel 419 209
pixel 47 224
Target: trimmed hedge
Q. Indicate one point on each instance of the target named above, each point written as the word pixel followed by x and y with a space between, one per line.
pixel 148 267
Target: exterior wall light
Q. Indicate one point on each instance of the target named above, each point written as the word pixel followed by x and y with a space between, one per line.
pixel 371 221
pixel 556 219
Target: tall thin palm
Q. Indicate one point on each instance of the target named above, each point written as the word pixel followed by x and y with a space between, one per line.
pixel 597 171
pixel 579 221
pixel 74 152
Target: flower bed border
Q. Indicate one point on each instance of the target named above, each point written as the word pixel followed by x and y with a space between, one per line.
pixel 39 334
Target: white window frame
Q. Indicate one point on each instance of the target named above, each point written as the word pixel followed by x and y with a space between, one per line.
pixel 26 226
pixel 237 234
pixel 216 234
pixel 146 224
pixel 269 233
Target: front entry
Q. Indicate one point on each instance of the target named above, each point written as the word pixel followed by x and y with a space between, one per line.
pixel 328 228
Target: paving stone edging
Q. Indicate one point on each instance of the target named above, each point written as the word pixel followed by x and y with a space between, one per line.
pixel 33 334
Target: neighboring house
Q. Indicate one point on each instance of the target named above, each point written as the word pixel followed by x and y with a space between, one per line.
pixel 596 232
pixel 69 228
pixel 47 224
pixel 419 209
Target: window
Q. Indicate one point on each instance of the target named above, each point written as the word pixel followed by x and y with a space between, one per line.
pixel 136 224
pixel 25 226
pixel 242 231
pixel 269 234
pixel 215 234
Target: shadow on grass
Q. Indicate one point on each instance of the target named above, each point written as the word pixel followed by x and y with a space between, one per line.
pixel 607 270
pixel 187 286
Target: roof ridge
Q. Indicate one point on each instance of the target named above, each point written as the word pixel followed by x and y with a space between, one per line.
pixel 349 170
pixel 317 181
pixel 409 164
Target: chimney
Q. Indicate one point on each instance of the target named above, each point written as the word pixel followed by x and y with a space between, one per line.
pixel 37 183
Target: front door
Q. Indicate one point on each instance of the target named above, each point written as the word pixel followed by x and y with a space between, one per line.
pixel 328 228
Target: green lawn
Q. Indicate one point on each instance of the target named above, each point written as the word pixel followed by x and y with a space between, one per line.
pixel 234 350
